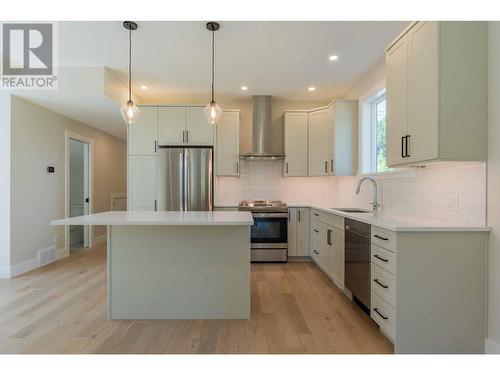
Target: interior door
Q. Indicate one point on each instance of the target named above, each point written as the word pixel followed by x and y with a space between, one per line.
pixel 320 143
pixel 423 104
pixel 199 131
pixel 198 179
pixel 170 179
pixel 171 125
pixel 397 101
pixel 295 143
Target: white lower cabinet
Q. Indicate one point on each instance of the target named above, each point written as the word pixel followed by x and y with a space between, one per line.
pixel 298 231
pixel 141 183
pixel 327 244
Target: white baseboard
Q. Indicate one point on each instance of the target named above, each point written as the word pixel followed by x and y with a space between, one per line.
pixel 31 264
pixel 4 272
pixel 491 346
pixel 100 239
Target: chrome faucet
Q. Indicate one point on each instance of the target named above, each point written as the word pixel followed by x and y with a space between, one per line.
pixel 375 204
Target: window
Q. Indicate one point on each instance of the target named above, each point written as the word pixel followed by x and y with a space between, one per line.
pixel 379 148
pixel 373 140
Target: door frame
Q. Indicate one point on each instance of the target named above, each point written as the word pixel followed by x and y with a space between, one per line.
pixel 77 137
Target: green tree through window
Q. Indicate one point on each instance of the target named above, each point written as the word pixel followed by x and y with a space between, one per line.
pixel 380 135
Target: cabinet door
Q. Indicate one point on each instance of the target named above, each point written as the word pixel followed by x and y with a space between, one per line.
pixel 199 131
pixel 295 145
pixel 397 100
pixel 325 252
pixel 423 97
pixel 303 231
pixel 141 183
pixel 142 134
pixel 292 232
pixel 320 142
pixel 228 144
pixel 171 125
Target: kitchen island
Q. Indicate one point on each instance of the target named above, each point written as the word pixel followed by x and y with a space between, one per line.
pixel 175 265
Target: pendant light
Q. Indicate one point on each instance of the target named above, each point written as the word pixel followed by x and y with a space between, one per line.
pixel 212 111
pixel 129 110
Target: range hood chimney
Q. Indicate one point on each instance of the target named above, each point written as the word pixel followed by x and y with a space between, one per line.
pixel 261 130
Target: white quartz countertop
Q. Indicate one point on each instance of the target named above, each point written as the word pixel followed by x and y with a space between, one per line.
pixel 398 222
pixel 160 218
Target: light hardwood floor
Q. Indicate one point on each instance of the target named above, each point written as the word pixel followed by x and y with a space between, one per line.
pixel 61 308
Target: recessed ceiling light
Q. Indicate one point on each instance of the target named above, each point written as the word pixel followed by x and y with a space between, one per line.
pixel 244 88
pixel 144 87
pixel 312 88
pixel 333 57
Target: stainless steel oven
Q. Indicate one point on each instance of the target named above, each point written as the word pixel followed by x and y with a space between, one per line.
pixel 269 233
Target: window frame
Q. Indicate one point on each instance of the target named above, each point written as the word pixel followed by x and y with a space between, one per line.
pixel 379 97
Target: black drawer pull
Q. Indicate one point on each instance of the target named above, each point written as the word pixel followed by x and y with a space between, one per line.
pixel 316 214
pixel 315 252
pixel 379 283
pixel 383 317
pixel 380 237
pixel 382 259
pixel 315 230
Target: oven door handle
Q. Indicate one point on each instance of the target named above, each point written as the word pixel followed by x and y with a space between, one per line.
pixel 270 214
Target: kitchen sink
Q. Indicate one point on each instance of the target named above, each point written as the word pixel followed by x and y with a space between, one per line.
pixel 353 210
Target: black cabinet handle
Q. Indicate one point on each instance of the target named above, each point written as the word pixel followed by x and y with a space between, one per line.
pixel 380 237
pixel 286 167
pixel 379 283
pixel 329 236
pixel 326 166
pixel 382 259
pixel 331 166
pixel 289 216
pixel 187 136
pixel 156 205
pixel 299 215
pixel 382 316
pixel 315 252
pixel 315 230
pixel 316 214
pixel 403 147
pixel 156 146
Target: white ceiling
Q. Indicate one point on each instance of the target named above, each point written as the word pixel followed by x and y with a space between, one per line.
pixel 276 58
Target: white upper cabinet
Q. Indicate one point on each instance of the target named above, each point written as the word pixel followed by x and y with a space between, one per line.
pixel 396 62
pixel 142 135
pixel 295 147
pixel 228 144
pixel 172 125
pixel 437 93
pixel 423 91
pixel 344 118
pixel 320 142
pixel 198 130
pixel 184 126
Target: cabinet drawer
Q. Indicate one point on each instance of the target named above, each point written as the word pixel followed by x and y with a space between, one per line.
pixel 315 248
pixel 330 219
pixel 383 258
pixel 384 238
pixel 383 314
pixel 383 284
pixel 315 230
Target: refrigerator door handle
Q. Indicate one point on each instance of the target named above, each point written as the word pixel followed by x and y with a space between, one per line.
pixel 185 170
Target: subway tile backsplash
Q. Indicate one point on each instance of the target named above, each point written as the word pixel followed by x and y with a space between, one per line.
pixel 447 191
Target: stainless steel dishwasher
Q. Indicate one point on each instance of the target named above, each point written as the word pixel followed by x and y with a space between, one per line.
pixel 357 261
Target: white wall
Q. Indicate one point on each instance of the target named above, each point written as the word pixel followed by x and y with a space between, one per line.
pixel 38 141
pixel 493 342
pixel 4 184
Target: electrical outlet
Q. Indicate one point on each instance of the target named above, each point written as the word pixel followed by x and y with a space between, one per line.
pixel 453 201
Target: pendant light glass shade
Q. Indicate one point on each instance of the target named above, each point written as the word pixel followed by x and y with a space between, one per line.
pixel 130 112
pixel 213 113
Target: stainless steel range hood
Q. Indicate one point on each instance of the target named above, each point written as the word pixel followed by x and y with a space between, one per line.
pixel 261 130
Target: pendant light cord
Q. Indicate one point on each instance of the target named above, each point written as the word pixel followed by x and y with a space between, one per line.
pixel 213 62
pixel 130 64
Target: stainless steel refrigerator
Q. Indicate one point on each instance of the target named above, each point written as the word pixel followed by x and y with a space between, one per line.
pixel 184 179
